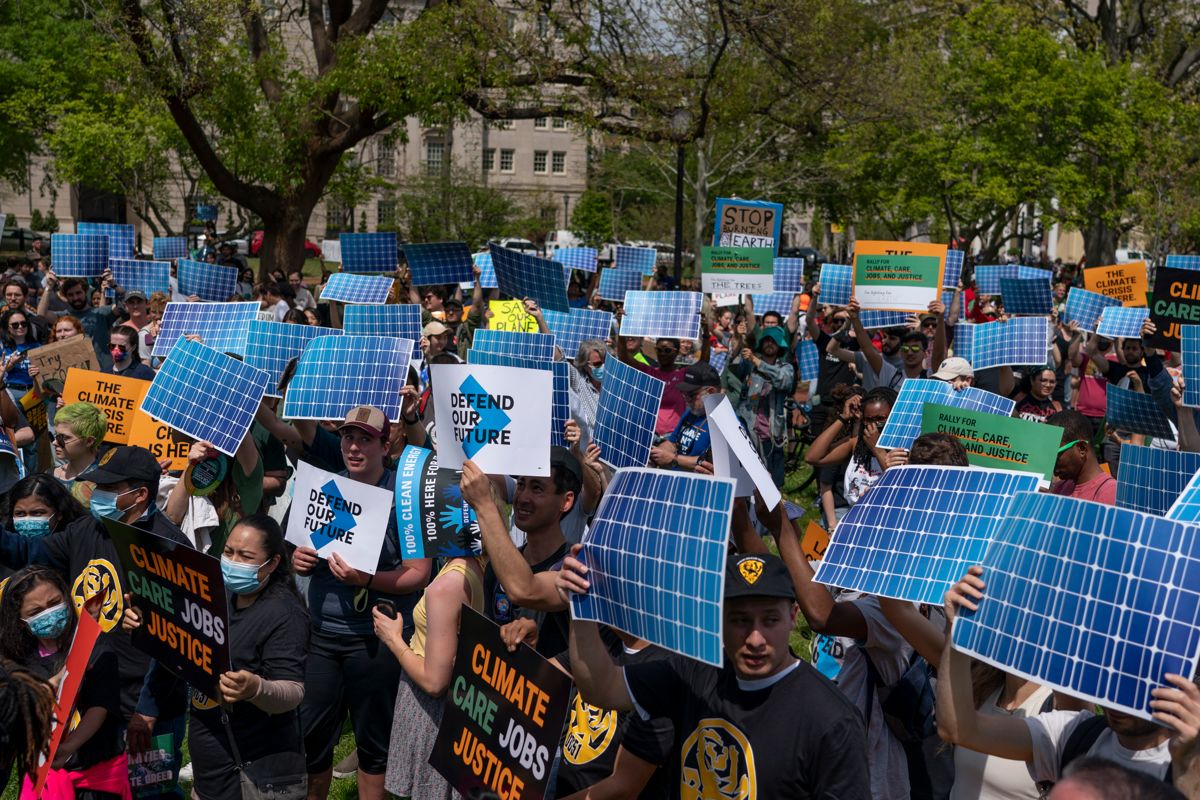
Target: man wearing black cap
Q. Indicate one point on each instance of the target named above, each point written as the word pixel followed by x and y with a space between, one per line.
pixel 764 724
pixel 688 444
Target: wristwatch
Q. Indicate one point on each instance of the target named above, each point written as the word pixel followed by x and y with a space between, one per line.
pixel 675 462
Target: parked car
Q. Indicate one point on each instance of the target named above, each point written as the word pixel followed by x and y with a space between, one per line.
pixel 522 245
pixel 19 239
pixel 311 249
pixel 809 254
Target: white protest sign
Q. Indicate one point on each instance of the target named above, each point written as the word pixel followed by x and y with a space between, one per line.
pixel 335 514
pixel 498 417
pixel 734 455
pixel 722 300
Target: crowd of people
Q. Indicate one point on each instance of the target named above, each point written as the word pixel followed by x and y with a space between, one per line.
pixel 320 649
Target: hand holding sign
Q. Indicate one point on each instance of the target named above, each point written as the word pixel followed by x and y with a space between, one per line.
pixel 333 515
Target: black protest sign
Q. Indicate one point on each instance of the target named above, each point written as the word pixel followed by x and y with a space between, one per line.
pixel 503 719
pixel 433 519
pixel 1174 302
pixel 181 596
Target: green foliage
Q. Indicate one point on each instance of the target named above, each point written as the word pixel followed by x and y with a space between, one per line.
pixel 592 219
pixel 454 207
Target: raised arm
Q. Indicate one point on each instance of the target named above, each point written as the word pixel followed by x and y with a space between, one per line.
pixel 810 316
pixel 600 681
pixel 938 351
pixel 925 637
pixel 865 345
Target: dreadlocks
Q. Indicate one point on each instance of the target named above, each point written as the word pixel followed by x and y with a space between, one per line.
pixel 880 394
pixel 26 718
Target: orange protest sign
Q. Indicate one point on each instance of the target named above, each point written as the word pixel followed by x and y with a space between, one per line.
pixel 160 439
pixel 814 542
pixel 1125 282
pixel 117 397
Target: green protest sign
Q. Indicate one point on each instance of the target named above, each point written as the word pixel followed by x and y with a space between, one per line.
pixel 898 276
pixel 995 441
pixel 737 270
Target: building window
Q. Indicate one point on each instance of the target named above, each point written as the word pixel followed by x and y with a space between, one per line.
pixel 510 19
pixel 502 125
pixel 338 217
pixel 539 122
pixel 559 163
pixel 489 159
pixel 385 214
pixel 506 160
pixel 434 151
pixel 559 123
pixel 385 160
pixel 543 26
pixel 539 160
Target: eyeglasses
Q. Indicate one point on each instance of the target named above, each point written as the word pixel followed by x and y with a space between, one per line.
pixel 912 348
pixel 63 441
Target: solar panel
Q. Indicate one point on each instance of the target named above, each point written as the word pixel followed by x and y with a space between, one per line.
pixel 206 281
pixel 789 275
pixel 626 414
pixel 964 334
pixel 779 302
pixel 222 326
pixel 401 321
pixel 121 238
pixel 1020 341
pixel 837 281
pixel 718 360
pixel 873 318
pixel 439 263
pixel 904 421
pixel 810 359
pixel 953 273
pixel 365 289
pixel 168 247
pixel 520 275
pixel 571 330
pixel 538 346
pixel 1127 410
pixel 1122 322
pixel 77 256
pixel 561 386
pixel 656 554
pixel 949 300
pixel 1150 479
pixel 915 533
pixel 1085 308
pixel 1097 601
pixel 614 283
pixel 1027 273
pixel 487 273
pixel 369 252
pixel 673 315
pixel 583 258
pixel 637 259
pixel 271 345
pixel 1190 355
pixel 988 276
pixel 338 373
pixel 206 394
pixel 1177 261
pixel 1026 296
pixel 144 276
pixel 1186 507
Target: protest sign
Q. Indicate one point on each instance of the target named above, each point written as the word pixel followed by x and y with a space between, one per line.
pixel 53 360
pixel 510 315
pixel 34 409
pixel 1125 282
pixel 152 771
pixel 431 516
pixel 503 716
pixel 87 631
pixel 498 417
pixel 995 441
pixel 734 455
pixel 117 397
pixel 814 541
pixel 160 439
pixel 727 270
pixel 181 596
pixel 748 223
pixel 1175 302
pixel 336 514
pixel 898 276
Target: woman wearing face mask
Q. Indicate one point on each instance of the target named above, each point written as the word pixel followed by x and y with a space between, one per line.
pixel 586 376
pixel 79 430
pixel 254 703
pixel 38 505
pixel 36 626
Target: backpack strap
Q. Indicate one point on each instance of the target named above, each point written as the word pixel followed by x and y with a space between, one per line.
pixel 1081 740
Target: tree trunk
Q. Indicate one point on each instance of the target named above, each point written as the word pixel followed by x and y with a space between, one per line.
pixel 1099 243
pixel 283 242
pixel 699 204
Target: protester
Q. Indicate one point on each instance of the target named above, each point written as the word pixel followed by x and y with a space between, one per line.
pixel 686 446
pixel 766 379
pixel 96 319
pixel 126 360
pixel 79 430
pixel 1035 400
pixel 233 488
pixel 851 438
pixel 586 378
pixel 303 297
pixel 26 716
pixel 1077 470
pixel 16 340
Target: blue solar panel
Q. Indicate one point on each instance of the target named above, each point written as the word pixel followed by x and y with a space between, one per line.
pixel 915 533
pixel 1190 355
pixel 810 359
pixel 637 259
pixel 520 275
pixel 1177 261
pixel 271 345
pixel 626 414
pixel 169 247
pixel 950 300
pixel 144 276
pixel 673 315
pixel 1085 307
pixel 1027 273
pixel 837 282
pixel 1097 601
pixel 988 276
pixel 656 555
pixel 953 272
pixel 571 330
pixel 718 360
pixel 1151 479
pixel 121 238
pixel 789 275
pixel 779 302
pixel 560 410
pixel 338 373
pixel 206 394
pixel 904 421
pixel 1127 410
pixel 222 326
pixel 77 256
pixel 1186 507
pixel 964 334
pixel 401 321
pixel 439 263
pixel 1123 322
pixel 369 252
pixel 487 273
pixel 872 318
pixel 538 346
pixel 583 258
pixel 1020 341
pixel 206 281
pixel 614 283
pixel 1026 296
pixel 365 289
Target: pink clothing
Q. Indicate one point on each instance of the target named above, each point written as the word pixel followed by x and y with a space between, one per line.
pixel 673 402
pixel 108 776
pixel 1101 489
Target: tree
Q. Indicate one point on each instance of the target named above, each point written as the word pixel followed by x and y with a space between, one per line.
pixel 458 207
pixel 592 219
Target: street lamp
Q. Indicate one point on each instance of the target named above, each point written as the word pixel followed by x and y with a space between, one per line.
pixel 681 123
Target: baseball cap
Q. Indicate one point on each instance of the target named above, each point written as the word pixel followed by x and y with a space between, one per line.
pixel 369 419
pixel 136 294
pixel 434 328
pixel 125 463
pixel 452 302
pixel 564 458
pixel 698 376
pixel 954 367
pixel 757 575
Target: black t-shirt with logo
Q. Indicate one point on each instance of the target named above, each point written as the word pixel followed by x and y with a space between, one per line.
pixel 553 627
pixel 794 735
pixel 101 688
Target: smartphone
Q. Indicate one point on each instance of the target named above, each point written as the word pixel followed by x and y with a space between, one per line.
pixel 386 607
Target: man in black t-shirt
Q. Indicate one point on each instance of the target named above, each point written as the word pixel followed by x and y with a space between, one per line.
pixel 765 723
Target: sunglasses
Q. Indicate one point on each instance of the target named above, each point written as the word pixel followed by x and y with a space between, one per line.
pixel 121 347
pixel 1069 445
pixel 63 441
pixel 911 348
pixel 18 324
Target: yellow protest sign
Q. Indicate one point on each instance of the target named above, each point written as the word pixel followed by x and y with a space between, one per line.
pixel 160 439
pixel 1125 282
pixel 814 542
pixel 117 397
pixel 34 409
pixel 509 315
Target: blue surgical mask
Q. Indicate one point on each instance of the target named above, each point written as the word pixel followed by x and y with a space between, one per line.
pixel 598 373
pixel 103 504
pixel 51 623
pixel 32 526
pixel 241 578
